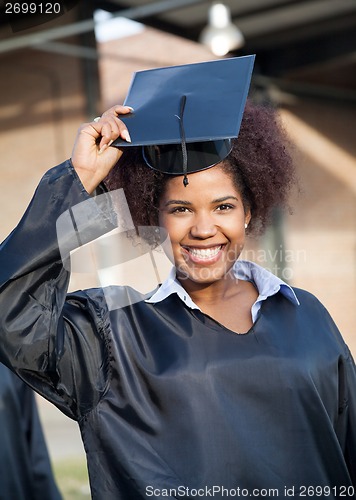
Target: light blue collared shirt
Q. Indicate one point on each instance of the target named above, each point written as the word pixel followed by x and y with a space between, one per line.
pixel 267 284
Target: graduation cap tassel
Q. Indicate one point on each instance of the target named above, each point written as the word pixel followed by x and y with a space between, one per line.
pixel 184 145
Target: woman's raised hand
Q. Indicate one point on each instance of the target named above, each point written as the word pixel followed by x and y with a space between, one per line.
pixel 92 157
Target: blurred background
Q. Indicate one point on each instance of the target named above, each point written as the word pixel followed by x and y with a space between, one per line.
pixel 65 66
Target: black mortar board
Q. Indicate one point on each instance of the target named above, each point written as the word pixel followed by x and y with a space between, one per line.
pixel 185 116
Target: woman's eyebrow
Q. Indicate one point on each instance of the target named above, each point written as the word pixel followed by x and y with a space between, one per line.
pixel 186 203
pixel 177 202
pixel 225 198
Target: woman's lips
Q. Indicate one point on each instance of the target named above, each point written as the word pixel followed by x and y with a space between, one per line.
pixel 200 255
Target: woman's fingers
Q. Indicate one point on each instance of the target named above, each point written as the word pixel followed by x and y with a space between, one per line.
pixel 111 130
pixel 90 157
pixel 117 110
pixel 110 127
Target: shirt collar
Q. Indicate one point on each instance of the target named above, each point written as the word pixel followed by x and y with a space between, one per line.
pixel 169 286
pixel 266 283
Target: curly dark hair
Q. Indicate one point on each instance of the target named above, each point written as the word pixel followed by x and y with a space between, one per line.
pixel 260 165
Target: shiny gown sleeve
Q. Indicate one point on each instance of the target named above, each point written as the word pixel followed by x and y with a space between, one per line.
pixel 347 413
pixel 57 346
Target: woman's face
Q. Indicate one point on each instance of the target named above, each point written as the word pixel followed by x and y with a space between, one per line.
pixel 206 224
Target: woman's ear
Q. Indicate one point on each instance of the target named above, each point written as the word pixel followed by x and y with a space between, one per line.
pixel 247 218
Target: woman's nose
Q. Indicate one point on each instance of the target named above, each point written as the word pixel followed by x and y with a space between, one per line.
pixel 203 227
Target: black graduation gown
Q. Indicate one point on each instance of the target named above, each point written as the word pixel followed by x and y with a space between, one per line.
pixel 169 402
pixel 25 469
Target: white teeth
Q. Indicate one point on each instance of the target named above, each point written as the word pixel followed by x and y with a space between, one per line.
pixel 205 253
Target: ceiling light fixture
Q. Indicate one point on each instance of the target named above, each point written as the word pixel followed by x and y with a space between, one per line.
pixel 221 35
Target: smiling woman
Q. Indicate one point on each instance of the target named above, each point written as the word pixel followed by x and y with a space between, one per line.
pixel 204 230
pixel 206 225
pixel 224 378
pixel 207 220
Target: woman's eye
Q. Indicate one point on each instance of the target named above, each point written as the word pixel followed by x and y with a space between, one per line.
pixel 225 206
pixel 179 210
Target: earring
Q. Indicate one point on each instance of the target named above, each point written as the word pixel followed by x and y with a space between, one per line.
pixel 246 225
